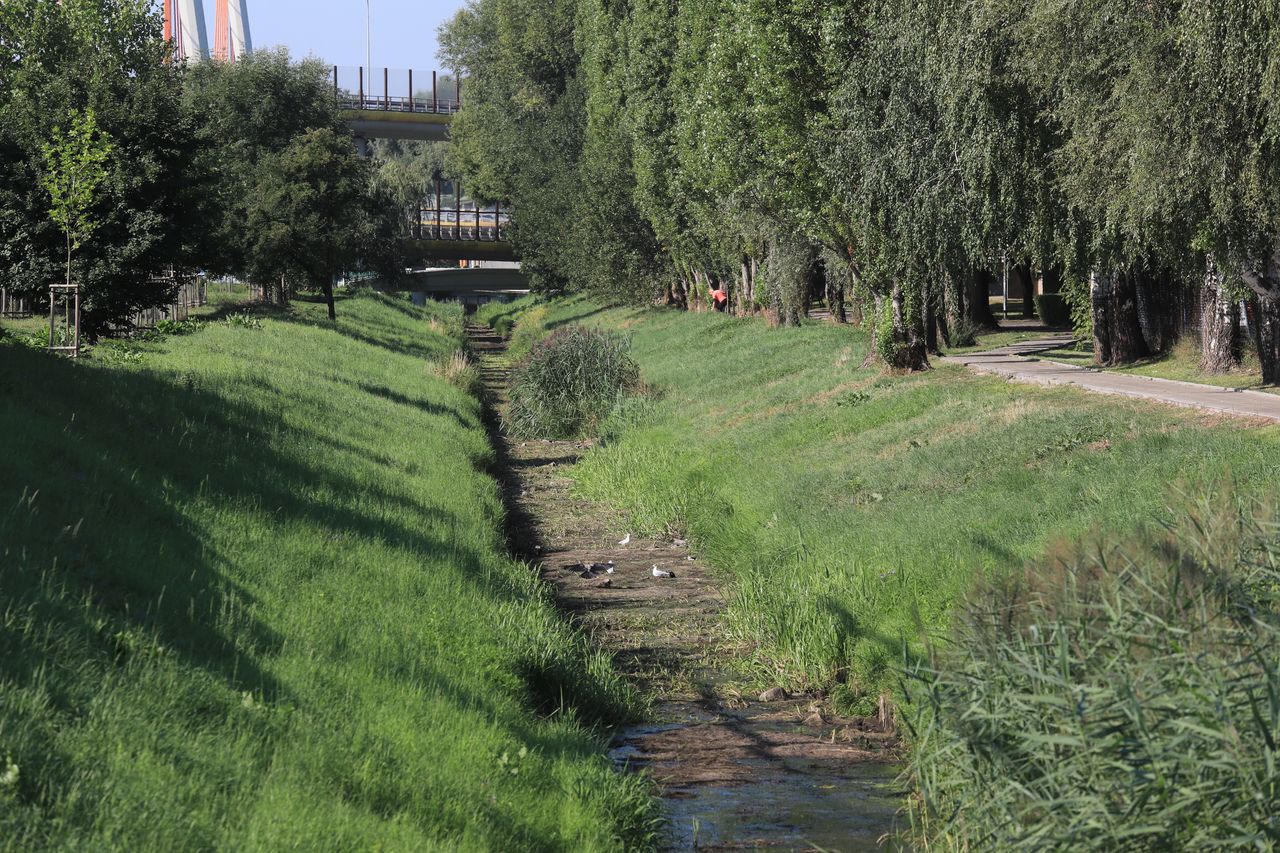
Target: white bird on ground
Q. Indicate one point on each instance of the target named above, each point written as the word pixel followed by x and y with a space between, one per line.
pixel 609 568
pixel 662 573
pixel 625 539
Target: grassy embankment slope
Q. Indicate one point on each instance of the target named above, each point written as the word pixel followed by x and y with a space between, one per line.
pixel 253 595
pixel 852 508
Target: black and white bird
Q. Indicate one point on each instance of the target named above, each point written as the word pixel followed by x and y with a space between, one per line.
pixel 662 573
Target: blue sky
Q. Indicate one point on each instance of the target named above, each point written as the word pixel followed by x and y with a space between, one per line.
pixel 404 31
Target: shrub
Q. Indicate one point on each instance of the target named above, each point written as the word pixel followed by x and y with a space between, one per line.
pixel 1123 699
pixel 178 327
pixel 964 332
pixel 1053 309
pixel 570 382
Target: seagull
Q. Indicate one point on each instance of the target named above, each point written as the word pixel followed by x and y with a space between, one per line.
pixel 662 573
pixel 625 539
pixel 609 570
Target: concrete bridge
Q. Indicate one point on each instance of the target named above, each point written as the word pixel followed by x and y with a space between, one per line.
pixel 387 104
pixel 472 287
pixel 382 106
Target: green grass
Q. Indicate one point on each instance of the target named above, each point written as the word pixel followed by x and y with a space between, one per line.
pixel 502 316
pixel 1181 363
pixel 254 595
pixel 996 339
pixel 851 510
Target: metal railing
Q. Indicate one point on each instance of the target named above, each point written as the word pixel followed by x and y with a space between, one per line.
pixel 394 91
pixel 490 226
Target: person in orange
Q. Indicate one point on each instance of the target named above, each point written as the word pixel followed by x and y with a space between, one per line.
pixel 719 299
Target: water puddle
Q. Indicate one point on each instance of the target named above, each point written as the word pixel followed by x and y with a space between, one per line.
pixel 756 777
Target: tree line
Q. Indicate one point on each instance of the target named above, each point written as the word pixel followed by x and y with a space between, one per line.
pixel 243 169
pixel 897 153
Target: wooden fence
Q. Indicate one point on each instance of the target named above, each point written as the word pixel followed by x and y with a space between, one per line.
pixel 13 306
pixel 192 291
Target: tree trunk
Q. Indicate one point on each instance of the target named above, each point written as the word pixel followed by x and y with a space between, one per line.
pixel 1159 300
pixel 1219 323
pixel 952 309
pixel 1117 333
pixel 902 341
pixel 701 290
pixel 1027 275
pixel 1052 277
pixel 1100 308
pixel 873 333
pixel 328 298
pixel 835 295
pixel 1268 337
pixel 1265 283
pixel 934 320
pixel 979 300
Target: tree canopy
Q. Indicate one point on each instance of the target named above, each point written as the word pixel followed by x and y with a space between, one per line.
pixel 657 148
pixel 192 148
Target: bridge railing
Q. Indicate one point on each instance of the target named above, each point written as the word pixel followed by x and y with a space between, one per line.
pixel 396 90
pixel 489 225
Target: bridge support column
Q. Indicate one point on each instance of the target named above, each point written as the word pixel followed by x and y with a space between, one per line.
pixel 363 148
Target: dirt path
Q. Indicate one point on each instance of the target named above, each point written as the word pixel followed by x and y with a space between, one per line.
pixel 738 771
pixel 1017 361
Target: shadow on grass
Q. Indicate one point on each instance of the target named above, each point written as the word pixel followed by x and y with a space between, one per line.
pixel 105 545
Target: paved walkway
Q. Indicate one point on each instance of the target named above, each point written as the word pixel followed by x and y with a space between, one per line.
pixel 1013 361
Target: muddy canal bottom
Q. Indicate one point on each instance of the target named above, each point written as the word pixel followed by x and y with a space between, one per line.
pixel 755 777
pixel 739 769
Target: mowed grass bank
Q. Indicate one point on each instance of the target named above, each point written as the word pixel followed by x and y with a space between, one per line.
pixel 253 595
pixel 851 509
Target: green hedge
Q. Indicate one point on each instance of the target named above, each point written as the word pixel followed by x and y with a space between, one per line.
pixel 1053 309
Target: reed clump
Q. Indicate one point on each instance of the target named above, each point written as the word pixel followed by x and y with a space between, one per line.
pixel 1120 697
pixel 570 381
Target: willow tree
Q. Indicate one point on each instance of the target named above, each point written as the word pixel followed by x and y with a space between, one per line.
pixel 519 135
pixel 1168 163
pixel 621 256
pixel 1228 109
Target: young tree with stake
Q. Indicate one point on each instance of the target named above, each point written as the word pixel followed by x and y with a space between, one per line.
pixel 74 169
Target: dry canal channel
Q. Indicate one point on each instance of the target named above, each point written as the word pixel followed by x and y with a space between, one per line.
pixel 738 769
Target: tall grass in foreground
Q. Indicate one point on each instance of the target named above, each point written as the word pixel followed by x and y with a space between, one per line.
pixel 1124 697
pixel 254 596
pixel 849 510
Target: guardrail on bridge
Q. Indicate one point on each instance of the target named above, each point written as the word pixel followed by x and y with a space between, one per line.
pixel 394 90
